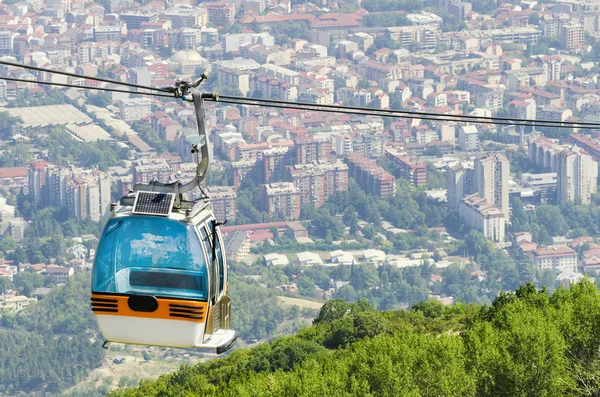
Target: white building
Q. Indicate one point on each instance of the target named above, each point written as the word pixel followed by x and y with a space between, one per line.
pixel 467 138
pixel 491 178
pixel 555 257
pixel 459 183
pixel 481 215
pixel 133 109
pixel 309 259
pixel 577 176
pixel 276 260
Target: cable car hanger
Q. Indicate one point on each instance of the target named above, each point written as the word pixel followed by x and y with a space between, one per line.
pixel 181 88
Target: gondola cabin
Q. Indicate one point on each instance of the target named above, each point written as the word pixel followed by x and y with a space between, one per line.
pixel 160 274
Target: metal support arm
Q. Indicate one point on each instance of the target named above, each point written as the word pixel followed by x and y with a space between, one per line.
pixel 202 148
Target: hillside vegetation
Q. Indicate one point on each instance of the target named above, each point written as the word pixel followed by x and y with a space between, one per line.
pixel 527 343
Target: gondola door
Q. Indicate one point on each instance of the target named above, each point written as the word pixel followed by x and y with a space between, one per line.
pixel 214 319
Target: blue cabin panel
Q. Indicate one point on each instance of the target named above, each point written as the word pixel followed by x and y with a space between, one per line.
pixel 150 255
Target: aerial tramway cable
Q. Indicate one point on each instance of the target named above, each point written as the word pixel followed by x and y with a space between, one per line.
pixel 385 113
pixel 87 87
pixel 170 92
pixel 511 121
pixel 18 65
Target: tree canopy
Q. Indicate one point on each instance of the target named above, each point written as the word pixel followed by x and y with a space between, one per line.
pixel 526 343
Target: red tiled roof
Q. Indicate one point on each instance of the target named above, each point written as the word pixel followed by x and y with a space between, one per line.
pixel 13 172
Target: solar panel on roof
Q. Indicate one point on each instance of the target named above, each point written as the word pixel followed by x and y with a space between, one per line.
pixel 153 203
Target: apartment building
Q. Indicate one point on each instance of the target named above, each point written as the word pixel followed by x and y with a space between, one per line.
pixel 312 149
pixel 319 181
pixel 571 36
pixel 460 182
pixel 133 109
pixel 223 202
pixel 468 138
pixel 372 178
pixel 220 14
pixel 554 257
pixel 281 198
pixel 577 176
pixel 491 180
pixel 406 167
pixel 480 214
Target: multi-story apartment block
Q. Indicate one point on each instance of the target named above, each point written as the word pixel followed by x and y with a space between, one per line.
pixel 310 149
pixel 577 176
pixel 543 152
pixel 58 181
pixel 146 170
pixel 274 162
pixel 133 109
pixel 571 36
pixel 480 214
pixel 7 40
pixel 240 170
pixel 133 20
pixel 239 79
pixel 459 183
pixel 343 144
pixel 526 35
pixel 250 151
pixel 372 178
pixel 183 17
pixel 220 14
pixel 555 258
pixel 407 167
pixel 237 245
pixel 108 33
pixel 37 179
pixel 491 179
pixel 88 52
pixel 317 182
pixel 281 198
pixel 88 196
pixel 468 138
pixel 223 202
pixel 523 109
pixel 280 73
pixel 425 19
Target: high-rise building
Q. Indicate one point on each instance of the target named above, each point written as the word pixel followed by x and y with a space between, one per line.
pixel 281 198
pixel 480 214
pixel 133 109
pixel 491 178
pixel 317 182
pixel 88 196
pixel 577 176
pixel 223 202
pixel 274 162
pixel 146 170
pixel 220 14
pixel 467 138
pixel 312 149
pixel 37 179
pixel 372 178
pixel 571 36
pixel 460 183
pixel 182 17
pixel 406 167
pixel 58 182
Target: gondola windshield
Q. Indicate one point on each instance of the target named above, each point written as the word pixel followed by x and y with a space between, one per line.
pixel 150 255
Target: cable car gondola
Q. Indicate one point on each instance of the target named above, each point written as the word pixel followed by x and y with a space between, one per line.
pixel 160 271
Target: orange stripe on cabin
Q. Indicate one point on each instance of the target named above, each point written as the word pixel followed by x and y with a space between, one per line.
pixel 169 309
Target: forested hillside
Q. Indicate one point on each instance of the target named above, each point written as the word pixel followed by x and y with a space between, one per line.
pixel 47 347
pixel 527 343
